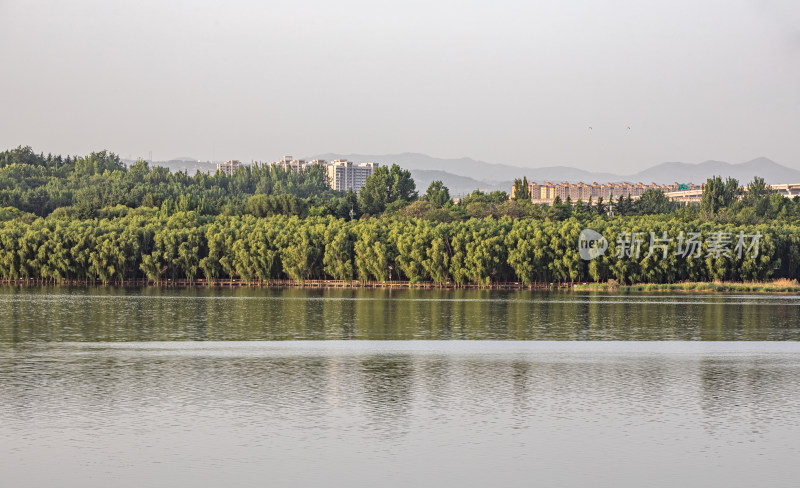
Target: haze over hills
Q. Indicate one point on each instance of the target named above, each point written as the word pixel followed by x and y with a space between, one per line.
pixel 771 171
pixel 184 163
pixel 471 168
pixel 463 175
pixel 499 176
pixel 458 185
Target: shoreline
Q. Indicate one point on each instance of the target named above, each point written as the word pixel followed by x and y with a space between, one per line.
pixel 325 284
pixel 781 286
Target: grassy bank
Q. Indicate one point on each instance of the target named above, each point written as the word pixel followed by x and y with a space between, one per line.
pixel 777 286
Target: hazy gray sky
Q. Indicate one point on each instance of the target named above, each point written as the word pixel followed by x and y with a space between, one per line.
pixel 515 82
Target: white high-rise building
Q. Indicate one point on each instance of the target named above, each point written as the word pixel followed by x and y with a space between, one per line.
pixel 229 167
pixel 296 165
pixel 345 175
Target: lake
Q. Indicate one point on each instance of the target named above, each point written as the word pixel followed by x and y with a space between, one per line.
pixel 242 387
pixel 247 314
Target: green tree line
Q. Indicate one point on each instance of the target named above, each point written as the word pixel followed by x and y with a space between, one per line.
pixel 146 244
pixel 94 218
pixel 101 186
pixel 82 187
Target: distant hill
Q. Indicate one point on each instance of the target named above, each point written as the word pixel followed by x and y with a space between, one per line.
pixel 463 175
pixel 498 176
pixel 771 171
pixel 458 185
pixel 468 167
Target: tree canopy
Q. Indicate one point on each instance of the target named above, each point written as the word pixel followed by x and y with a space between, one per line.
pixel 437 194
pixel 94 218
pixel 384 187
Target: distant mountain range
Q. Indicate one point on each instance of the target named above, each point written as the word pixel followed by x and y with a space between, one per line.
pixel 771 171
pixel 464 174
pixel 458 185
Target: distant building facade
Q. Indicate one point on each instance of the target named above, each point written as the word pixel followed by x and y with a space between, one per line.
pixel 546 192
pixel 341 174
pixel 694 193
pixel 229 167
pixel 297 165
pixel 790 190
pixel 345 175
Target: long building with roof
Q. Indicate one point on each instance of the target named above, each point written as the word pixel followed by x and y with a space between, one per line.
pixel 547 191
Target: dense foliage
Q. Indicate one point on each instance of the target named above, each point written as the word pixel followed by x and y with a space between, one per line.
pixel 142 243
pixel 83 186
pixel 93 218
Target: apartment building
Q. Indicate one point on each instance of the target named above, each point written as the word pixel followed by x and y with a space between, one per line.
pixel 345 175
pixel 229 167
pixel 297 165
pixel 341 174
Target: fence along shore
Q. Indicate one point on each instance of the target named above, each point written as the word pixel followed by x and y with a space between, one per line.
pixel 234 283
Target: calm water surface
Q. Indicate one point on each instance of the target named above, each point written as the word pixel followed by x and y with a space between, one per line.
pixel 107 387
pixel 112 315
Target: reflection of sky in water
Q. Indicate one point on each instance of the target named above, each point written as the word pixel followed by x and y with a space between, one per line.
pixel 400 413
